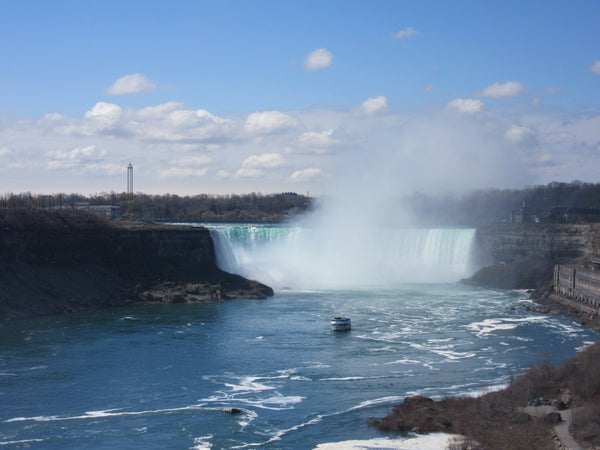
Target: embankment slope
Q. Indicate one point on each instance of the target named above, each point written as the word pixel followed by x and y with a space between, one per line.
pixel 52 262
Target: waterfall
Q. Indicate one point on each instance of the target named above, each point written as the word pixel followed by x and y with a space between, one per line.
pixel 309 258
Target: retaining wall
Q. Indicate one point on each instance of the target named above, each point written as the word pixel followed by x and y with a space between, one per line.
pixel 579 283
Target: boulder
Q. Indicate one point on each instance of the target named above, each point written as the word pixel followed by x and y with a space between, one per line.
pixel 232 411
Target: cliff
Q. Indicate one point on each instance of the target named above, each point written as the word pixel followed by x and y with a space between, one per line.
pixel 53 262
pixel 523 256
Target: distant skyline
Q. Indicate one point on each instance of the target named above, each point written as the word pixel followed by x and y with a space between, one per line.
pixel 222 96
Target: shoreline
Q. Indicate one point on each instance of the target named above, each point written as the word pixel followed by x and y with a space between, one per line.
pixel 483 421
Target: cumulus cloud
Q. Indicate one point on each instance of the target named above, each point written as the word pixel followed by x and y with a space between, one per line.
pixel 248 173
pixel 135 83
pixel 305 174
pixel 518 134
pixel 467 105
pixel 268 122
pixel 502 90
pixel 318 141
pixel 167 122
pixel 266 160
pixel 372 106
pixel 182 172
pixel 406 33
pixel 104 111
pixel 595 68
pixel 318 59
pixel 78 157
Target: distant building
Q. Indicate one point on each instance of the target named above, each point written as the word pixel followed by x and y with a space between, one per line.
pixel 102 210
pixel 130 178
pixel 106 210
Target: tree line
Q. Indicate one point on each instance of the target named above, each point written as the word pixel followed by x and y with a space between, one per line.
pixel 201 207
pixel 555 202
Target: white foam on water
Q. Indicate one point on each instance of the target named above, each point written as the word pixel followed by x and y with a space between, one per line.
pixel 202 442
pixel 433 441
pixel 247 418
pixel 24 441
pixel 504 323
pixel 279 402
pixel 249 384
pixel 392 399
pixel 346 378
pixel 584 345
pixel 300 378
pixel 402 361
pixel 102 413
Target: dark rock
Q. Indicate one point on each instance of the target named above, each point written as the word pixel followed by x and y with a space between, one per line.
pixel 417 400
pixel 552 418
pixel 232 411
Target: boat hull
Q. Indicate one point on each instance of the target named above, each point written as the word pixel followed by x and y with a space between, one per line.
pixel 341 324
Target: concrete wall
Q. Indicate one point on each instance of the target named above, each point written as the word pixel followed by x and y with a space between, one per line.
pixel 579 283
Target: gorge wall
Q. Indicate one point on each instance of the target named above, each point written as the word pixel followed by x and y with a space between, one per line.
pixel 523 256
pixel 59 262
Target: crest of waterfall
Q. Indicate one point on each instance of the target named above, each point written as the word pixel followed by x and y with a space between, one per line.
pixel 308 258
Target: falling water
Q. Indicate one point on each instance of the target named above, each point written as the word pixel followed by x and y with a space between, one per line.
pixel 307 258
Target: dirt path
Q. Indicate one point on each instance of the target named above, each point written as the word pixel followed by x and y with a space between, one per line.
pixel 561 429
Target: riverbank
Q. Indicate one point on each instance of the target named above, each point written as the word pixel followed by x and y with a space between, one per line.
pixel 65 261
pixel 498 420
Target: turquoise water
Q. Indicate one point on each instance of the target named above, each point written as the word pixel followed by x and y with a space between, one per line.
pixel 156 376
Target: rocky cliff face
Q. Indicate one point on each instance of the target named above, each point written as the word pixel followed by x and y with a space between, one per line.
pixel 523 256
pixel 507 242
pixel 52 263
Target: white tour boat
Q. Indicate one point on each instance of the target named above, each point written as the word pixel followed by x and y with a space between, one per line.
pixel 340 324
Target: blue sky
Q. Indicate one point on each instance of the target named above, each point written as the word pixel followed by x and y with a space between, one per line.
pixel 236 96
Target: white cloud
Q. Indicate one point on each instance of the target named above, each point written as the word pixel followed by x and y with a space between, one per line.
pixel 268 122
pixel 104 111
pixel 428 88
pixel 104 169
pixel 595 67
pixel 467 105
pixel 502 90
pixel 266 160
pixel 317 140
pixel 318 59
pixel 79 157
pixel 158 111
pixel 52 117
pixel 182 172
pixel 4 151
pixel 222 174
pixel 372 106
pixel 135 83
pixel 305 174
pixel 519 134
pixel 406 33
pixel 248 173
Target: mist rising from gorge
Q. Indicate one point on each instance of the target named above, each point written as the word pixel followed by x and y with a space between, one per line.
pixel 362 234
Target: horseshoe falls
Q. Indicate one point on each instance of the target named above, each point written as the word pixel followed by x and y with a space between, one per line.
pixel 311 258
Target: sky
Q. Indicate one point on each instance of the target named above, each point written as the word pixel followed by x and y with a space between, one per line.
pixel 318 97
